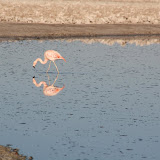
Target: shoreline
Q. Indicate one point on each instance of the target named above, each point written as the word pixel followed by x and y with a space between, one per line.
pixel 35 31
pixel 36 20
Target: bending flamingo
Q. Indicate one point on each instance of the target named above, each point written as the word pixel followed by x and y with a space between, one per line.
pixel 49 55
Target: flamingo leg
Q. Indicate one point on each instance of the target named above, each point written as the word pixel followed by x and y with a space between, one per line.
pixel 55 80
pixel 48 79
pixel 49 66
pixel 56 67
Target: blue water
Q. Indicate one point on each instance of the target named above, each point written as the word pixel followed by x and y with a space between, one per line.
pixel 108 110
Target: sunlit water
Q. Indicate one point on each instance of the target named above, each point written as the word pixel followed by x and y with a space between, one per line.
pixel 108 110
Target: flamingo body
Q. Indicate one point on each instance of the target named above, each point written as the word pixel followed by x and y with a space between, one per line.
pixel 53 55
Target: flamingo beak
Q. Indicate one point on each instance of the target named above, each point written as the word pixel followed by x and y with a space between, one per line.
pixel 63 59
pixel 63 87
pixel 33 66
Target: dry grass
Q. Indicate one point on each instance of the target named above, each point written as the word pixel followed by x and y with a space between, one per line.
pixel 76 12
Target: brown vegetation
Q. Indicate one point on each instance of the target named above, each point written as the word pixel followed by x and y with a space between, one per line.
pixel 81 12
pixel 6 153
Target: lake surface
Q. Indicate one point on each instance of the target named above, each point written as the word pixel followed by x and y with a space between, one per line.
pixel 109 108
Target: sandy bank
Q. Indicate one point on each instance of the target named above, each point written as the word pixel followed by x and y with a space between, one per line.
pixel 18 31
pixel 81 12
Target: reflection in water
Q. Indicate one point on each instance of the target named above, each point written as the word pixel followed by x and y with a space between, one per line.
pixel 50 90
pixel 139 40
pixel 122 40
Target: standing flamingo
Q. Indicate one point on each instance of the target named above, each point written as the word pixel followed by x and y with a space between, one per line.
pixel 49 55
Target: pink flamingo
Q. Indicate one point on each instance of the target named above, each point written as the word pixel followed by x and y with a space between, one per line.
pixel 50 90
pixel 49 55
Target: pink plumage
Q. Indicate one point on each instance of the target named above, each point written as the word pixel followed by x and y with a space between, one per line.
pixel 49 55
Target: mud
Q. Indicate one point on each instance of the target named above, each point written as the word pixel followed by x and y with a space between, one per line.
pixel 18 31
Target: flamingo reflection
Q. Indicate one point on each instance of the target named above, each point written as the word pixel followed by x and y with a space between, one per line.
pixel 48 90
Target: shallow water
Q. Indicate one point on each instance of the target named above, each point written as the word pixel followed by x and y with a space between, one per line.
pixel 109 108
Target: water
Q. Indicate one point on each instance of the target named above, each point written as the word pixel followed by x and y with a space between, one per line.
pixel 109 108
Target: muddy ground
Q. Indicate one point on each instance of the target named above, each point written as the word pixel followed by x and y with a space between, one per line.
pixel 18 31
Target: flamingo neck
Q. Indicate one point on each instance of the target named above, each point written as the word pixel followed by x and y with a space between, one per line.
pixel 39 84
pixel 40 60
pixel 42 83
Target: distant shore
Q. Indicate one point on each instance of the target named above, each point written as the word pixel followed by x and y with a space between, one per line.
pixel 50 19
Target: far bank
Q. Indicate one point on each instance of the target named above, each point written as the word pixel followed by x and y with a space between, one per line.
pixel 20 31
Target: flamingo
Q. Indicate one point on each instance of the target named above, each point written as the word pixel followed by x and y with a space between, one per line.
pixel 49 55
pixel 48 90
